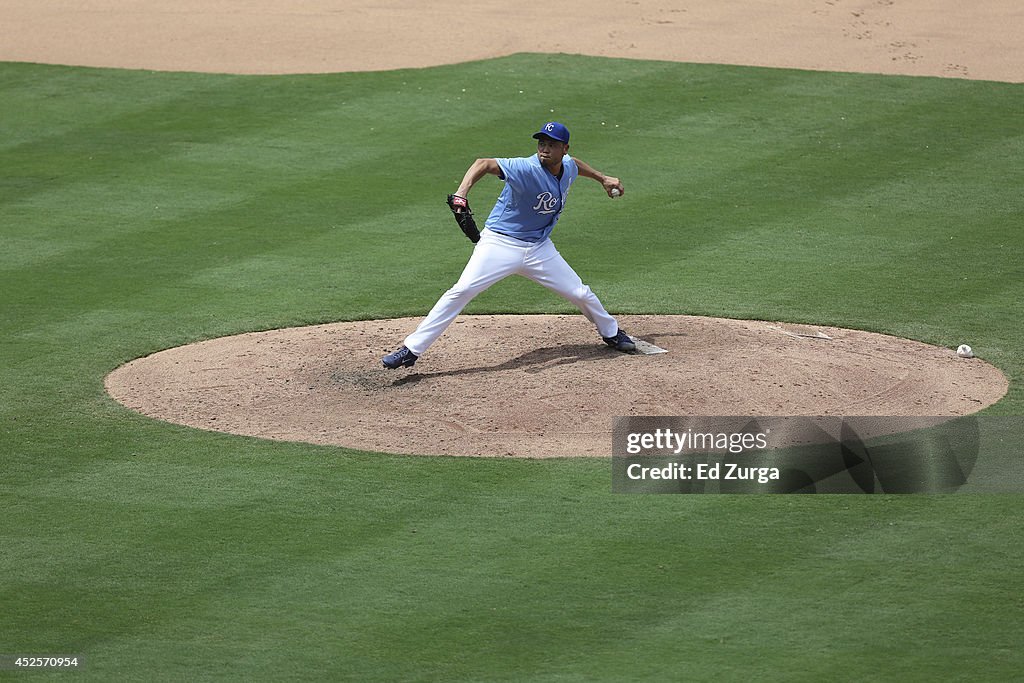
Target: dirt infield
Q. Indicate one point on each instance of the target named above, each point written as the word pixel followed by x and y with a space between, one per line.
pixel 979 39
pixel 537 386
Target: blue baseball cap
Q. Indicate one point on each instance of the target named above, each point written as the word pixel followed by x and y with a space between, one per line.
pixel 553 130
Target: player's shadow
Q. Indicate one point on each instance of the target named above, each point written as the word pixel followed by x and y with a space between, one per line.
pixel 533 362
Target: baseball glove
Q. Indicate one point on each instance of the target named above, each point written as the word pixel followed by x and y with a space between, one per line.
pixel 464 216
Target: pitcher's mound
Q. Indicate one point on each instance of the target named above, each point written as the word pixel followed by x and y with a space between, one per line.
pixel 538 385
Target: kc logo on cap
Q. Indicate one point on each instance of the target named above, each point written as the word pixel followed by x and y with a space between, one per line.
pixel 553 130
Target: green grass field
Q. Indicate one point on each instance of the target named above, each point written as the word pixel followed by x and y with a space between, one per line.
pixel 145 210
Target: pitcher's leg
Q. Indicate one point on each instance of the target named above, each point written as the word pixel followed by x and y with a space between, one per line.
pixel 547 267
pixel 491 261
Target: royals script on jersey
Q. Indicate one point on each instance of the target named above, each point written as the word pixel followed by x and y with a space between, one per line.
pixel 532 200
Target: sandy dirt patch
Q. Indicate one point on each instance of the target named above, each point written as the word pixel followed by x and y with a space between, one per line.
pixel 979 39
pixel 538 386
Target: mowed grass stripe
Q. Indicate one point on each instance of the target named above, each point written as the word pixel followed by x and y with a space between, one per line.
pixel 604 575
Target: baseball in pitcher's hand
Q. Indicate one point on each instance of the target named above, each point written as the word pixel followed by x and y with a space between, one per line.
pixel 611 183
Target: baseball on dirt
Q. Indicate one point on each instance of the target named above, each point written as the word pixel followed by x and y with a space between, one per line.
pixel 615 192
pixel 965 351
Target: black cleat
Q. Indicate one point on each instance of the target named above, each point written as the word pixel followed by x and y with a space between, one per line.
pixel 403 357
pixel 620 342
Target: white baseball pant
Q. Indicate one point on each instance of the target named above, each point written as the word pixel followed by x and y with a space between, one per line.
pixel 494 258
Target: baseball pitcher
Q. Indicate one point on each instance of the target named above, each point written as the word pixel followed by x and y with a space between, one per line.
pixel 516 239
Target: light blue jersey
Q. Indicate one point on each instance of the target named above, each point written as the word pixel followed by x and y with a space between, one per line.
pixel 532 200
